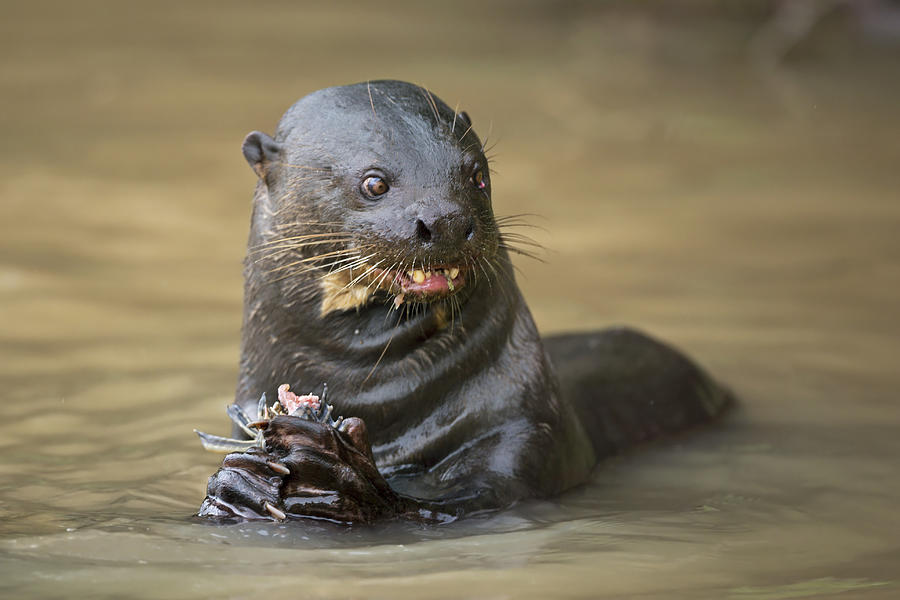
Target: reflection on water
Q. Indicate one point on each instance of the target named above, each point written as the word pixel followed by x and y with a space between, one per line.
pixel 678 194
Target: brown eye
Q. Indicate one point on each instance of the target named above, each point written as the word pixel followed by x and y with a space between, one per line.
pixel 478 179
pixel 374 186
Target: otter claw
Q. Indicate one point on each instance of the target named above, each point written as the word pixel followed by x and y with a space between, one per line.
pixel 276 513
pixel 278 468
pixel 261 424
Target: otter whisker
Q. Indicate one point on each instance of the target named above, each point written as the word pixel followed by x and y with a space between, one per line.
pixel 353 260
pixel 505 227
pixel 431 102
pixel 322 223
pixel 452 313
pixel 272 250
pixel 306 236
pixel 510 236
pixel 298 179
pixel 488 136
pixel 306 269
pixel 379 277
pixel 504 277
pixel 470 266
pixel 301 245
pixel 525 247
pixel 381 356
pixel 285 228
pixel 474 144
pixel 465 133
pixel 377 283
pixel 413 311
pixel 518 270
pixel 294 249
pixel 519 220
pixel 454 310
pixel 521 252
pixel 309 167
pixel 503 273
pixel 357 250
pixel 487 278
pixel 493 268
pixel 298 242
pixel 357 263
pixel 353 257
pixel 371 101
pixel 357 279
pixel 502 218
pixel 333 253
pixel 281 253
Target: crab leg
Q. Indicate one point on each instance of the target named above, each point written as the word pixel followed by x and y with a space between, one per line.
pixel 240 418
pixel 325 414
pixel 216 443
pixel 262 411
pixel 253 428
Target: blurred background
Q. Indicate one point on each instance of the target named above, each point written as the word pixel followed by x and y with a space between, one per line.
pixel 723 175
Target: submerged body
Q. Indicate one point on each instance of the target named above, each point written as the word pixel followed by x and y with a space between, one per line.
pixel 376 265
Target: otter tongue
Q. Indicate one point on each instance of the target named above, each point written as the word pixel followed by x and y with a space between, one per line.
pixel 434 283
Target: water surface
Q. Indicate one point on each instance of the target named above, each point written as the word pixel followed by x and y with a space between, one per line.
pixel 679 194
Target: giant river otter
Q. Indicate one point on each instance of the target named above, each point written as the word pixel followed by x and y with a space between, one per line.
pixel 376 264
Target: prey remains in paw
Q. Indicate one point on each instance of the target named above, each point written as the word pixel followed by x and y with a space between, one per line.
pixel 300 463
pixel 308 406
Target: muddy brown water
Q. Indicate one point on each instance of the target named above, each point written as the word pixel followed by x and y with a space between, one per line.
pixel 678 192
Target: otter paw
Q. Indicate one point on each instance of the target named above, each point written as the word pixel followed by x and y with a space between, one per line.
pixel 247 486
pixel 333 475
pixel 306 469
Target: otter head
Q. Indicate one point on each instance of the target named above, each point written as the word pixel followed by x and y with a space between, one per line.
pixel 374 190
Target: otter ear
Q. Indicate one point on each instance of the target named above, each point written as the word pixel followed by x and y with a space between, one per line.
pixel 260 151
pixel 463 117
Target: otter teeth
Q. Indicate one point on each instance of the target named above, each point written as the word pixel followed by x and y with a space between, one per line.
pixel 420 275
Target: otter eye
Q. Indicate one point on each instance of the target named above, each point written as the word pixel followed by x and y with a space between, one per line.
pixel 478 179
pixel 374 186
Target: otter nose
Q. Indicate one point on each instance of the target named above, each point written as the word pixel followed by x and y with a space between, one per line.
pixel 453 229
pixel 423 232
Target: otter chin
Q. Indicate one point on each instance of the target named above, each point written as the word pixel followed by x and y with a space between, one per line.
pixel 372 220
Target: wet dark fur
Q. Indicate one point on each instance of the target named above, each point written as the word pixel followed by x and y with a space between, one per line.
pixel 460 396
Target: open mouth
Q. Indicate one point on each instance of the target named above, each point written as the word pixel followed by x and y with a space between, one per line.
pixel 433 282
pixel 344 290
